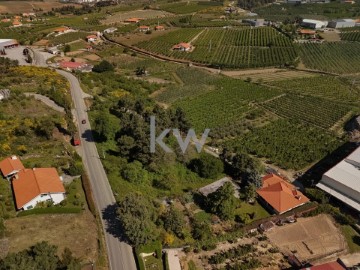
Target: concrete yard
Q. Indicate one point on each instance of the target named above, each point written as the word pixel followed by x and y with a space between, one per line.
pixel 309 238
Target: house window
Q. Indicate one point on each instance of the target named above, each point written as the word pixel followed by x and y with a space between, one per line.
pixel 29 207
pixel 43 195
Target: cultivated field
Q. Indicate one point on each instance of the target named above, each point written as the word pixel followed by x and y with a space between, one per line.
pixel 311 238
pixel 271 76
pixel 28 6
pixel 78 232
pixel 234 48
pixel 142 14
pixel 335 57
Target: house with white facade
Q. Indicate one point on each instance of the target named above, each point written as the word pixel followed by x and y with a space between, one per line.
pixel 10 166
pixel 32 186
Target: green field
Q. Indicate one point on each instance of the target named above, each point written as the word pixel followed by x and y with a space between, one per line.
pixel 288 144
pixel 313 110
pixel 334 57
pixel 350 36
pixel 332 10
pixel 228 48
pixel 328 87
pixel 68 37
pixel 188 7
pixel 231 100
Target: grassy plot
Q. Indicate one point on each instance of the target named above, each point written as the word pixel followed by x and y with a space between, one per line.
pixel 68 37
pixel 352 238
pixel 256 211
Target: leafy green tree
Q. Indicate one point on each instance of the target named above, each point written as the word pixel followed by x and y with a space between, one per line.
pixel 134 173
pixel 207 166
pixel 103 125
pixel 200 230
pixel 137 216
pixel 250 192
pixel 222 202
pixel 67 48
pixel 103 66
pixel 174 221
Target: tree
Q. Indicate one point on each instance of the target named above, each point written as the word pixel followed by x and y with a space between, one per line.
pixel 174 221
pixel 222 202
pixel 134 173
pixel 67 48
pixel 103 125
pixel 103 66
pixel 250 192
pixel 207 166
pixel 137 216
pixel 200 230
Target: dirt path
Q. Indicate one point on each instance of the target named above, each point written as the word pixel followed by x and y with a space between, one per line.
pixel 197 36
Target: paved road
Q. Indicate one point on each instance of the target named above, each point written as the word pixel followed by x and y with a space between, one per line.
pixel 120 254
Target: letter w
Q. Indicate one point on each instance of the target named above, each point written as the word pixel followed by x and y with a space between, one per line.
pixel 191 135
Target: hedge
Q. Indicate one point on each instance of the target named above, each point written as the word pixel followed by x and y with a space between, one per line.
pixel 88 193
pixel 50 210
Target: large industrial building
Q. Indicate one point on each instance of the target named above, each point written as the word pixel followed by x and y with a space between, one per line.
pixel 343 180
pixel 313 24
pixel 342 23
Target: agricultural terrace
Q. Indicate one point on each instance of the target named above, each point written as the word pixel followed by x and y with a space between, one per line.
pixel 143 14
pixel 16 7
pixel 189 7
pixel 350 36
pixel 328 87
pixel 335 57
pixel 68 37
pixel 232 99
pixel 288 144
pixel 261 76
pixel 332 10
pixel 313 110
pixel 228 48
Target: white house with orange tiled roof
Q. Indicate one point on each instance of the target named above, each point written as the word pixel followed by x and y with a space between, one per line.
pixel 183 46
pixel 10 166
pixel 32 186
pixel 144 28
pixel 279 195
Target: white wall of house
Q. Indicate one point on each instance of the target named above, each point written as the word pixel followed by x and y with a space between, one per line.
pixel 55 197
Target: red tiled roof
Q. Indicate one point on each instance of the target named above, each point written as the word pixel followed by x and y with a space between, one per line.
pixel 144 27
pixel 61 29
pixel 66 64
pixel 281 195
pixel 10 164
pixel 30 183
pixel 307 32
pixel 182 45
pixel 133 20
pixel 326 266
pixel 91 36
pixel 159 27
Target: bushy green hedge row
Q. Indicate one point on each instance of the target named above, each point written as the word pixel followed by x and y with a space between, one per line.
pixel 50 210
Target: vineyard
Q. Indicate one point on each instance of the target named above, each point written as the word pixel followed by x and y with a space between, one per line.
pixel 321 86
pixel 335 57
pixel 230 100
pixel 350 36
pixel 188 7
pixel 235 48
pixel 312 110
pixel 68 37
pixel 289 144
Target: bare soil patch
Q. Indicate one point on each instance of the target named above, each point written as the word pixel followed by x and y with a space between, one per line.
pixel 310 238
pixel 142 14
pixel 131 39
pixel 78 232
pixel 29 6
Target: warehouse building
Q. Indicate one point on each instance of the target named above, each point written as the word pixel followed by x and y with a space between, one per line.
pixel 342 180
pixel 342 23
pixel 8 43
pixel 313 24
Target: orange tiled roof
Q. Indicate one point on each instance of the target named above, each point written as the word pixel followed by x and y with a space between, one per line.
pixel 326 266
pixel 10 164
pixel 159 27
pixel 182 45
pixel 91 36
pixel 307 32
pixel 281 195
pixel 133 20
pixel 30 183
pixel 61 29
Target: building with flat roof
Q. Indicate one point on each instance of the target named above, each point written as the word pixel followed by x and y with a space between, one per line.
pixel 342 23
pixel 8 43
pixel 343 180
pixel 313 24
